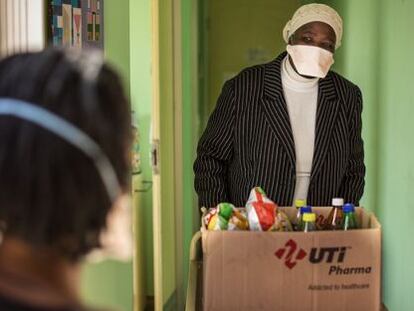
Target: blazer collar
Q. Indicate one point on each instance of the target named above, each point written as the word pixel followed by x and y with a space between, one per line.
pixel 274 104
pixel 273 81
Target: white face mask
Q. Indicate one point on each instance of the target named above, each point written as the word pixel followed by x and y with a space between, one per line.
pixel 311 60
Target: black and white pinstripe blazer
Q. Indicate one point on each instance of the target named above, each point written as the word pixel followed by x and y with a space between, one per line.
pixel 249 142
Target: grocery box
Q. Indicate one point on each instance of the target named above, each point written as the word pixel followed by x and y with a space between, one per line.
pixel 293 271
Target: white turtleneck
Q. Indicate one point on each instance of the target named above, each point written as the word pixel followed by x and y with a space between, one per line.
pixel 301 96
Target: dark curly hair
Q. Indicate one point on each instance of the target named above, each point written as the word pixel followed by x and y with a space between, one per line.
pixel 51 194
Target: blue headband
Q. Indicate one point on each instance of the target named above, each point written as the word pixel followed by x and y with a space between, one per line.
pixel 69 133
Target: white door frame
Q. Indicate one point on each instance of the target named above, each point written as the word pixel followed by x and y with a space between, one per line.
pixel 166 26
pixel 155 116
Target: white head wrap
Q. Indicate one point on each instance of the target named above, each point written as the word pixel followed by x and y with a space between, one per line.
pixel 314 12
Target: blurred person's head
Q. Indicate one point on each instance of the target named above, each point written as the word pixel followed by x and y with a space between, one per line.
pixel 53 201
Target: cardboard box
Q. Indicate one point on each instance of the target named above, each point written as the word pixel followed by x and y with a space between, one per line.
pixel 293 271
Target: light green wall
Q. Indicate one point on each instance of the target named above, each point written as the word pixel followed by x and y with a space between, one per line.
pixel 395 153
pixel 116 40
pixel 242 34
pixel 109 283
pixel 141 97
pixel 360 65
pixel 377 55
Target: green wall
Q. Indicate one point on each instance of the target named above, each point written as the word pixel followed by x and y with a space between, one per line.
pixel 141 97
pixel 377 55
pixel 395 152
pixel 109 283
pixel 239 35
pixel 116 40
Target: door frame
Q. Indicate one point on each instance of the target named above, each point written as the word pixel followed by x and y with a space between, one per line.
pixel 175 37
pixel 166 135
pixel 155 135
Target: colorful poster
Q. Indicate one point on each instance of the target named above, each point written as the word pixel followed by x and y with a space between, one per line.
pixel 92 11
pixel 67 24
pixel 77 23
pixel 65 20
pixel 77 27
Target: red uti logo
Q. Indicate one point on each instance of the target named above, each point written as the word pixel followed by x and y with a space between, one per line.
pixel 292 253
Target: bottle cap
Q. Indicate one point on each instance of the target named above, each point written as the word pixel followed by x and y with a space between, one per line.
pixel 309 217
pixel 337 202
pixel 306 209
pixel 349 208
pixel 299 203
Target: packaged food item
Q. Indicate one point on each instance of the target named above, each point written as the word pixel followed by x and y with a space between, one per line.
pixel 212 213
pixel 217 219
pixel 261 211
pixel 282 222
pixel 238 220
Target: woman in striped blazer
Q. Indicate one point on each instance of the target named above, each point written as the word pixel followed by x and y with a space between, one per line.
pixel 289 126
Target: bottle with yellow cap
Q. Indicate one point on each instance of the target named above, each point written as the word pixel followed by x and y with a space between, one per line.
pixel 309 222
pixel 298 204
pixel 302 211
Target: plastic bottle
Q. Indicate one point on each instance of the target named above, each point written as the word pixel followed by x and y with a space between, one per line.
pixel 309 222
pixel 298 205
pixel 302 211
pixel 336 216
pixel 350 222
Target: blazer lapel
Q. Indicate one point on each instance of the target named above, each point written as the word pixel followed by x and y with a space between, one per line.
pixel 327 109
pixel 274 105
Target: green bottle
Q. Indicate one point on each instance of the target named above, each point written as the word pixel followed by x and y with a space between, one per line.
pixel 350 222
pixel 309 222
